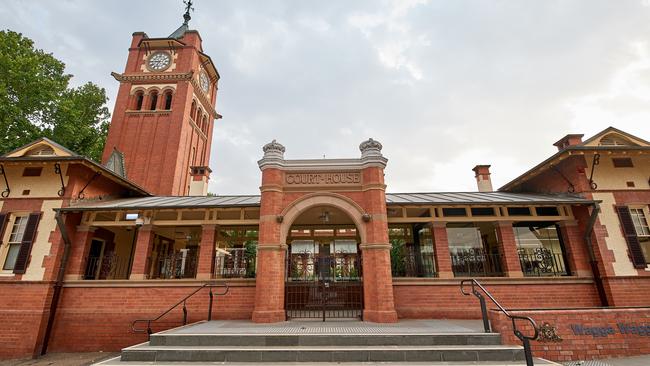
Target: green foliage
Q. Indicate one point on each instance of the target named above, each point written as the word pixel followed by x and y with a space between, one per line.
pixel 397 264
pixel 250 253
pixel 36 101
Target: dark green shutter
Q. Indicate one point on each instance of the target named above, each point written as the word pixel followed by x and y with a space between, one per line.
pixel 636 254
pixel 26 245
pixel 3 225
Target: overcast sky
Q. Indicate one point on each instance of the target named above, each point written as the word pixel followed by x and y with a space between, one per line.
pixel 444 85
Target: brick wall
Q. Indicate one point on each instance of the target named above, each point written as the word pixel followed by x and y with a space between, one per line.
pixel 23 317
pixel 628 291
pixel 586 333
pixel 99 318
pixel 442 299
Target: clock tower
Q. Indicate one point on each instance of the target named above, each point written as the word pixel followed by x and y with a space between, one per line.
pixel 161 131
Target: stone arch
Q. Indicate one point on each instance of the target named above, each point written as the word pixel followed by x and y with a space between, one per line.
pixel 341 202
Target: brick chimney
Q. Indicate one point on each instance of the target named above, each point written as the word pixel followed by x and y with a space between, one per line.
pixel 199 180
pixel 483 178
pixel 568 140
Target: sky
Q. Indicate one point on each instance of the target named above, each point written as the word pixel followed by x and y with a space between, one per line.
pixel 443 85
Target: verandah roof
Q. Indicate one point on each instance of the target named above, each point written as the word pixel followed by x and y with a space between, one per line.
pixel 432 198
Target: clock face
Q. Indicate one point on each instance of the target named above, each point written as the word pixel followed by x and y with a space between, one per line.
pixel 159 61
pixel 204 81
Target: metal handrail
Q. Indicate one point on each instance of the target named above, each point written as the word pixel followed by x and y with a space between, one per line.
pixel 525 339
pixel 182 301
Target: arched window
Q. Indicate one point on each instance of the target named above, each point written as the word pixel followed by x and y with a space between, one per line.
pixel 204 124
pixel 139 98
pixel 168 100
pixel 154 100
pixel 197 118
pixel 193 109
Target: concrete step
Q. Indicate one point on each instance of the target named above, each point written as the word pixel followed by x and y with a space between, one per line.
pixel 342 340
pixel 116 362
pixel 399 353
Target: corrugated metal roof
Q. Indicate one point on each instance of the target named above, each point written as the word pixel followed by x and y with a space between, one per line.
pixel 456 198
pixel 436 198
pixel 163 202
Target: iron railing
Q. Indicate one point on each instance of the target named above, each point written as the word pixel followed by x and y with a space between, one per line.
pixel 109 267
pixel 184 302
pixel 542 262
pixel 476 262
pixel 412 263
pixel 235 265
pixel 524 338
pixel 176 265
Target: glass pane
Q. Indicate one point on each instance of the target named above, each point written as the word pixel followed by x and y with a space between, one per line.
pixel 18 230
pixel 12 254
pixel 540 249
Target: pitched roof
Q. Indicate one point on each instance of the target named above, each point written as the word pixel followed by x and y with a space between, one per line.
pixel 60 154
pixel 21 151
pixel 587 145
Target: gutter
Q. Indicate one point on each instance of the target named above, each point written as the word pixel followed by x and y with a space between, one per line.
pixel 589 230
pixel 58 286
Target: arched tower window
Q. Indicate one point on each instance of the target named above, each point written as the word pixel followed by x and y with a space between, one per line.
pixel 197 118
pixel 168 100
pixel 193 109
pixel 139 98
pixel 204 124
pixel 154 100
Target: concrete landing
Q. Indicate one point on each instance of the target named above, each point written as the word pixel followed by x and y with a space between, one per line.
pixel 295 327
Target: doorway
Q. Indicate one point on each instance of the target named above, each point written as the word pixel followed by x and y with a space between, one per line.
pixel 324 277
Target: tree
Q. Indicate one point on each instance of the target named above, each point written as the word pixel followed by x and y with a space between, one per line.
pixel 36 101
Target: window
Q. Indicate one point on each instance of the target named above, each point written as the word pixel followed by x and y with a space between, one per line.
pixel 43 150
pixel 193 110
pixel 640 223
pixel 139 98
pixel 547 211
pixel 474 249
pixel 154 101
pixel 642 231
pixel 540 249
pixel 518 211
pixel 236 252
pixel 168 100
pixel 622 162
pixel 412 253
pixel 482 211
pixel 32 172
pixel 15 241
pixel 451 212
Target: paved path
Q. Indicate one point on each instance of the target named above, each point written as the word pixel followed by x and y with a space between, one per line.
pixel 61 359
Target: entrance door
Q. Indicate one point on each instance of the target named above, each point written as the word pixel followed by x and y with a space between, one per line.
pixel 324 280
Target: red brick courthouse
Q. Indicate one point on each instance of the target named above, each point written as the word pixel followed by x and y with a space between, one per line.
pixel 87 248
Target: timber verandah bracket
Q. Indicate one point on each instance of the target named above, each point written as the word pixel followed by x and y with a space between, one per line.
pixel 5 193
pixel 57 170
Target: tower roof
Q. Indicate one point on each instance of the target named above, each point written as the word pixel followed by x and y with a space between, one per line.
pixel 178 33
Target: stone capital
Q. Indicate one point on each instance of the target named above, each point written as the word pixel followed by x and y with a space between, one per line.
pixel 375 246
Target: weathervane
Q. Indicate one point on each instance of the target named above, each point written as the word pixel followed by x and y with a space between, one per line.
pixel 188 7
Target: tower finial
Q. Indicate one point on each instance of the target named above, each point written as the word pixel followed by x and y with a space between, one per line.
pixel 188 7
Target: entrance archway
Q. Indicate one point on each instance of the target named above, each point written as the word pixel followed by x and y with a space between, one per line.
pixel 323 262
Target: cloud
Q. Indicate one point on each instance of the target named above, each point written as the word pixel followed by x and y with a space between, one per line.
pixel 444 85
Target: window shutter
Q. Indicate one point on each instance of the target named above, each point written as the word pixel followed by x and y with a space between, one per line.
pixel 26 245
pixel 638 259
pixel 3 225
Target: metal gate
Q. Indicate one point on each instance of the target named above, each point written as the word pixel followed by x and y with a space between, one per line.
pixel 324 286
